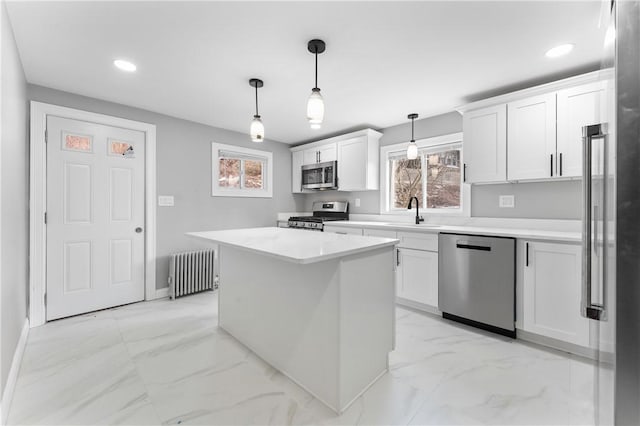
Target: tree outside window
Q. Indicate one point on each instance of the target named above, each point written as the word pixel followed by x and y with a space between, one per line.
pixel 434 177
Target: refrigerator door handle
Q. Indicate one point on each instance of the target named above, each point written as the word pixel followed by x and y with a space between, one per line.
pixel 591 214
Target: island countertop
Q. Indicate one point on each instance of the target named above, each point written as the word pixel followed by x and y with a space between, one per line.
pixel 294 245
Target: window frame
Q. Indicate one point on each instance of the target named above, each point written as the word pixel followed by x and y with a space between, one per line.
pixel 244 154
pixel 433 144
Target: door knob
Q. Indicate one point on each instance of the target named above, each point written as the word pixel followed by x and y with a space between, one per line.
pixel 138 230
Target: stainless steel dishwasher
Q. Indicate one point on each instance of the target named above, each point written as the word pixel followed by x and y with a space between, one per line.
pixel 476 282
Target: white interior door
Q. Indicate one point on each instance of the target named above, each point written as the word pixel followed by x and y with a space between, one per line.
pixel 95 217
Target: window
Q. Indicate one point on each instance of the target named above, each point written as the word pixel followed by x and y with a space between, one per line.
pixel 241 172
pixel 435 177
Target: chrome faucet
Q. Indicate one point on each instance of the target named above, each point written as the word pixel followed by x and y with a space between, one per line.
pixel 418 217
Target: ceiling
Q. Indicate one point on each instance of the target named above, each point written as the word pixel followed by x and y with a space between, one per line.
pixel 383 59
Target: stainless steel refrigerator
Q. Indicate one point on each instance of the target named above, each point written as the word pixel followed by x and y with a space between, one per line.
pixel 611 219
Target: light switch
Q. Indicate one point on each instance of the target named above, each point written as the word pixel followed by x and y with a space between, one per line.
pixel 507 201
pixel 165 200
pixel 357 202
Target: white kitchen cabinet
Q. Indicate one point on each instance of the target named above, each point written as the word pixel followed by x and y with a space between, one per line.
pixel 551 289
pixel 328 152
pixel 358 163
pixel 417 276
pixel 384 233
pixel 342 230
pixel 320 154
pixel 531 137
pixel 485 144
pixel 297 160
pixel 577 107
pixel 357 154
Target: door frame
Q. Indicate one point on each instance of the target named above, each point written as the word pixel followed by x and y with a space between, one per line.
pixel 38 200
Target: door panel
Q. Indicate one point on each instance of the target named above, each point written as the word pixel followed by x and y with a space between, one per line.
pixel 485 144
pixel 95 201
pixel 310 156
pixel 77 193
pixel 418 276
pixel 578 107
pixel 531 141
pixel 121 194
pixel 77 266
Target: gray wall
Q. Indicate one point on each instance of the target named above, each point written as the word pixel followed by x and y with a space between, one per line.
pixel 14 226
pixel 184 171
pixel 540 200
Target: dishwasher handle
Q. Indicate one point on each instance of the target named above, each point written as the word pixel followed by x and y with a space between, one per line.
pixel 465 245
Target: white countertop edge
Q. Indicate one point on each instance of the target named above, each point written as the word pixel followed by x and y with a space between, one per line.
pixel 533 234
pixel 302 261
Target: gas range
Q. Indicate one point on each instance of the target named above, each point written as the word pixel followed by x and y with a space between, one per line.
pixel 323 211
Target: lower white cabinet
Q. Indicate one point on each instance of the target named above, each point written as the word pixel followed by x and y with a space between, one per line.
pixel 417 276
pixel 551 286
pixel 342 230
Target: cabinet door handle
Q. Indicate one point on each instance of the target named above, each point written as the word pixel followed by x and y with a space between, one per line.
pixel 551 165
pixel 397 257
pixel 526 259
pixel 464 172
pixel 560 160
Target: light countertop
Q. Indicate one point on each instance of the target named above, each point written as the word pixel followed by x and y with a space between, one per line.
pixel 294 245
pixel 536 234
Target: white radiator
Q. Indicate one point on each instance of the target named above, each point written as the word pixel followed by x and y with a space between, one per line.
pixel 191 272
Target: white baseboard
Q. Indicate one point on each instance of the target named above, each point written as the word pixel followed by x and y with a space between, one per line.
pixel 7 395
pixel 162 292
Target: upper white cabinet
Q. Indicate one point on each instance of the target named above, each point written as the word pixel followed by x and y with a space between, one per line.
pixel 357 154
pixel 297 160
pixel 358 163
pixel 485 145
pixel 531 137
pixel 320 154
pixel 577 107
pixel 533 134
pixel 552 292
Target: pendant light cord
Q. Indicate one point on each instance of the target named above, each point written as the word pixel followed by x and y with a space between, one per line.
pixel 412 138
pixel 257 99
pixel 316 53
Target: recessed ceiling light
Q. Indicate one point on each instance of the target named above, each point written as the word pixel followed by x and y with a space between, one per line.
pixel 125 65
pixel 558 51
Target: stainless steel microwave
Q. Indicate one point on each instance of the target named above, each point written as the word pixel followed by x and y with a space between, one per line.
pixel 320 175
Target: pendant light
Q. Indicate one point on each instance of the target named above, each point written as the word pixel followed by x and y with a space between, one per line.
pixel 315 104
pixel 257 128
pixel 412 149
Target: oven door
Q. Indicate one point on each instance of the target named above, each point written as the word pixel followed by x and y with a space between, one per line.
pixel 320 175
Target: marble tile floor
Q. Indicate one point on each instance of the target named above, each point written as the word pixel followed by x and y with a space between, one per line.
pixel 167 362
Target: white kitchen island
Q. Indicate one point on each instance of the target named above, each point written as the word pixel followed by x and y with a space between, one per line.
pixel 319 307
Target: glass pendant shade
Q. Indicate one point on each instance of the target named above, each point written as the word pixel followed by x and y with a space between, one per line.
pixel 412 150
pixel 315 109
pixel 257 129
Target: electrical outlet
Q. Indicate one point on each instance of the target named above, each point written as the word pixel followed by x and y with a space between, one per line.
pixel 507 201
pixel 357 202
pixel 166 200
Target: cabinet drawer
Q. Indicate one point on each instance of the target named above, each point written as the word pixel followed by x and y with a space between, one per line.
pixel 379 233
pixel 418 241
pixel 343 230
